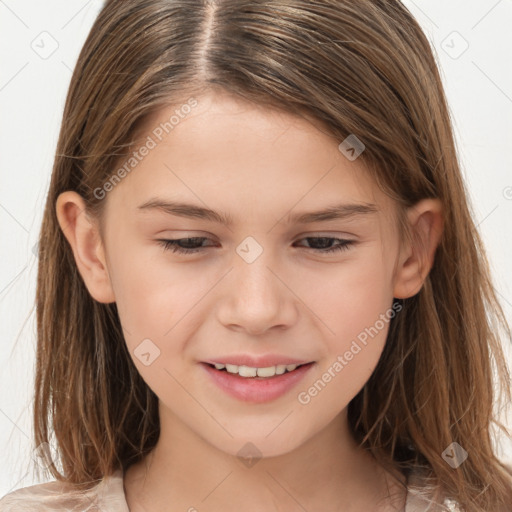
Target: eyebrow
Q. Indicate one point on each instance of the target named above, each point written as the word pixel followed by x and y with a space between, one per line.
pixel 335 212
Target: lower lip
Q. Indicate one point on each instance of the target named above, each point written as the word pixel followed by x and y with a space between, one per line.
pixel 256 389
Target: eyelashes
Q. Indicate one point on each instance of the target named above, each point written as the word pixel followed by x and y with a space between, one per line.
pixel 176 245
pixel 173 246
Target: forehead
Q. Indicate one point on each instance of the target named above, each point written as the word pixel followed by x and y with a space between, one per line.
pixel 223 151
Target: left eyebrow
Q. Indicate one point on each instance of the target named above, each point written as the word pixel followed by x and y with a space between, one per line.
pixel 335 212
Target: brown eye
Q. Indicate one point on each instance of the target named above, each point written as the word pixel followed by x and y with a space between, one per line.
pixel 328 244
pixel 183 245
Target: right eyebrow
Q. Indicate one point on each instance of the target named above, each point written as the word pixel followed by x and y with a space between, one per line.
pixel 187 210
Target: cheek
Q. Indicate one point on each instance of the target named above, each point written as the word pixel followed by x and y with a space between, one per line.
pixel 353 303
pixel 349 296
pixel 150 293
pixel 157 302
pixel 153 300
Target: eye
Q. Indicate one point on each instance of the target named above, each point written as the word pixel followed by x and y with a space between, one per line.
pixel 191 244
pixel 326 244
pixel 194 244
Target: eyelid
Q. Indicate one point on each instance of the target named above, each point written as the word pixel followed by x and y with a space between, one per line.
pixel 173 233
pixel 340 245
pixel 327 234
pixel 348 237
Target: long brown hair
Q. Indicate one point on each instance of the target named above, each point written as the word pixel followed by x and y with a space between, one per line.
pixel 359 67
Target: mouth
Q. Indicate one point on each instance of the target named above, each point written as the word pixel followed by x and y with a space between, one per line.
pixel 256 384
pixel 248 372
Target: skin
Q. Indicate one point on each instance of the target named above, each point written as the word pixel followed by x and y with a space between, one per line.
pixel 258 166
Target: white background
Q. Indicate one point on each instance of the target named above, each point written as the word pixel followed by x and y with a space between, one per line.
pixel 478 83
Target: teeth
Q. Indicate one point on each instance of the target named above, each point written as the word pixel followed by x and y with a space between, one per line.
pixel 270 371
pixel 280 369
pixel 232 368
pixel 247 371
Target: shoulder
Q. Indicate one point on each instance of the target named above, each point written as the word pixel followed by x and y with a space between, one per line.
pixel 422 498
pixel 55 496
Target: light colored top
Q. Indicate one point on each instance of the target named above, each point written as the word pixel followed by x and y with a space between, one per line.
pixel 108 496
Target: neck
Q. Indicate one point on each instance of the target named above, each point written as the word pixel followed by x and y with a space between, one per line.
pixel 325 472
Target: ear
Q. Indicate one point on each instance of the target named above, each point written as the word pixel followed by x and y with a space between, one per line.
pixel 83 235
pixel 417 257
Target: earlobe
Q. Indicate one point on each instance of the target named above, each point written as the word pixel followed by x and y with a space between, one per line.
pixel 83 236
pixel 417 256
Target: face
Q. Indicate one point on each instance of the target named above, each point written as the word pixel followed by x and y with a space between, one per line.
pixel 269 287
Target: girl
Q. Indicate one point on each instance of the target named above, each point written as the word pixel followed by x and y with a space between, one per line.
pixel 260 285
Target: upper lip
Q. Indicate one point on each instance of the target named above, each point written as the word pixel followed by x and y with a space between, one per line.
pixel 263 361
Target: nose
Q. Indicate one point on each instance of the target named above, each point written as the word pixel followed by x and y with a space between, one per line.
pixel 256 298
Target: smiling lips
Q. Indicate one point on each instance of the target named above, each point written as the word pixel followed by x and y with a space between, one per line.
pixel 262 366
pixel 256 379
pixel 247 371
pixel 263 361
